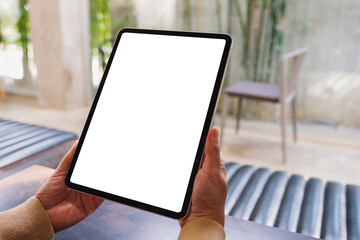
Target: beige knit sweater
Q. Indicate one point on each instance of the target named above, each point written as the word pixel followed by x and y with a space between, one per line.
pixel 30 221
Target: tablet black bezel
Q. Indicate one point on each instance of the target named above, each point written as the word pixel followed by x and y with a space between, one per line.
pixel 208 120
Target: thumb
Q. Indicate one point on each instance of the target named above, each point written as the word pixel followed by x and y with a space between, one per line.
pixel 65 162
pixel 212 150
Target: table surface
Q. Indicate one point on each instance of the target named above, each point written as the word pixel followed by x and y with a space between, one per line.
pixel 117 221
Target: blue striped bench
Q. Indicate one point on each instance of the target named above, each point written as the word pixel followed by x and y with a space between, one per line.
pixel 22 145
pixel 327 210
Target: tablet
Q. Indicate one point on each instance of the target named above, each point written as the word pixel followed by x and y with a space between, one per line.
pixel 143 140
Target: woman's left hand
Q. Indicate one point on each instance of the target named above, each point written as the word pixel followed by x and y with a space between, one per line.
pixel 65 207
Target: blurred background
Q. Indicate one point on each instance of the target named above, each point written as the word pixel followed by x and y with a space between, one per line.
pixel 52 56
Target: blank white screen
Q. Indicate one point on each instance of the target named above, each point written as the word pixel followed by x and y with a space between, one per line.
pixel 144 134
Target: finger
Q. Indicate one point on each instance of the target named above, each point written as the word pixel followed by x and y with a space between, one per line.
pixel 65 162
pixel 212 150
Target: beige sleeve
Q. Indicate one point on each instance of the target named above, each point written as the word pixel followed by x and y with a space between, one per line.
pixel 26 221
pixel 202 228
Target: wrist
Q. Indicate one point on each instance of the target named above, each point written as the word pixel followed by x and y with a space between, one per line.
pixel 202 228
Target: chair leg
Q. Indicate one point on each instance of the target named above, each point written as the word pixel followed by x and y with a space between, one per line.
pixel 293 116
pixel 224 112
pixel 3 94
pixel 283 133
pixel 238 115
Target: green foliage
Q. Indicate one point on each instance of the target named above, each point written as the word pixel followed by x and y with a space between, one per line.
pixel 100 24
pixel 104 29
pixel 1 36
pixel 2 40
pixel 261 3
pixel 262 36
pixel 23 26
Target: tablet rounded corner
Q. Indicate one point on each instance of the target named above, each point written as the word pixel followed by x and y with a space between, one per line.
pixel 183 213
pixel 68 183
pixel 228 39
pixel 123 30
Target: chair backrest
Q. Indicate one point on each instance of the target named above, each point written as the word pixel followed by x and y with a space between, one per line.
pixel 290 66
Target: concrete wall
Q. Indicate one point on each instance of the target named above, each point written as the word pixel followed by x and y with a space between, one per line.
pixel 329 81
pixel 60 34
pixel 155 14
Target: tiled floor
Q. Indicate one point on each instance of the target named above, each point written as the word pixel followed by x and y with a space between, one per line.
pixel 327 152
pixel 26 110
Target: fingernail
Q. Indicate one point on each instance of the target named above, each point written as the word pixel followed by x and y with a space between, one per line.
pixel 215 134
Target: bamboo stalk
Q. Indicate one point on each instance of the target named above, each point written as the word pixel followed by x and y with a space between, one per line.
pixel 282 25
pixel 24 30
pixel 243 33
pixel 218 14
pixel 1 35
pixel 280 36
pixel 247 41
pixel 132 13
pixel 229 16
pixel 258 42
pixel 252 40
pixel 187 15
pixel 229 31
pixel 240 17
pixel 248 106
pixel 273 34
pixel 265 43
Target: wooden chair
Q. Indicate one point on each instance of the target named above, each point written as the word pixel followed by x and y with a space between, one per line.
pixel 284 94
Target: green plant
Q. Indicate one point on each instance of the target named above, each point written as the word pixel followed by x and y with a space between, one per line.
pixel 261 27
pixel 23 26
pixel 104 28
pixel 261 30
pixel 100 24
pixel 1 36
